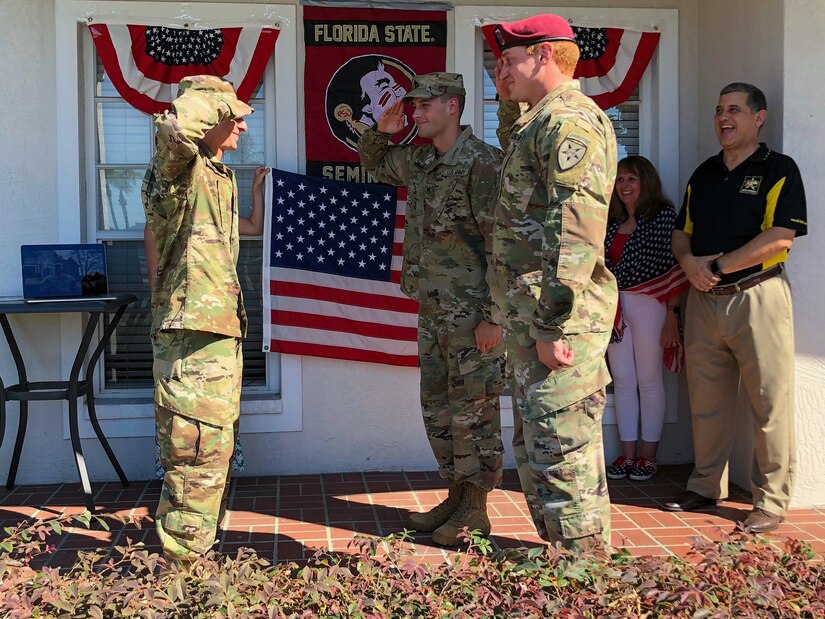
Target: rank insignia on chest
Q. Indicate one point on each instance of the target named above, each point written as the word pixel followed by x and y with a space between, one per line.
pixel 571 152
pixel 751 185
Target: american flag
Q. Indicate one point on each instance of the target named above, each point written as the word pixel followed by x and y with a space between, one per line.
pixel 612 62
pixel 662 288
pixel 334 265
pixel 665 287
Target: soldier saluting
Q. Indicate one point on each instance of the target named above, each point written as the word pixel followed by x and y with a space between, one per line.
pixel 452 186
pixel 549 279
pixel 198 319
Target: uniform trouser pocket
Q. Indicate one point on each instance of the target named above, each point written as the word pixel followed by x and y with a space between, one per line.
pixel 566 466
pixel 461 408
pixel 195 456
pixel 198 374
pixel 476 424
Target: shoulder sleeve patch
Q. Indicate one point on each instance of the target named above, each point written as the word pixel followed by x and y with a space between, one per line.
pixel 571 151
pixel 576 144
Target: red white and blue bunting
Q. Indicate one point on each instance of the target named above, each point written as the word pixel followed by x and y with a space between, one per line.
pixel 145 63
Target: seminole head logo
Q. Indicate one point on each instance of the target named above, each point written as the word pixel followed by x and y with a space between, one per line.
pixel 361 90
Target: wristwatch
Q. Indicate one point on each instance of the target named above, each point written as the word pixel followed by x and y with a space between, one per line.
pixel 714 267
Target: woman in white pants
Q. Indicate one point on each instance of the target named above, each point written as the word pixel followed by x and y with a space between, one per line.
pixel 637 245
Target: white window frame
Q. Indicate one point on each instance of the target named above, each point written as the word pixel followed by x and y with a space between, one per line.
pixel 94 233
pixel 128 414
pixel 659 90
pixel 658 93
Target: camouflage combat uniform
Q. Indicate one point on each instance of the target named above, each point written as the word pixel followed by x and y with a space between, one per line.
pixel 550 282
pixel 198 317
pixel 449 219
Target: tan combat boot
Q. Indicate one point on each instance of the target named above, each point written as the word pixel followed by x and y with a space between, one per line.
pixel 471 513
pixel 438 515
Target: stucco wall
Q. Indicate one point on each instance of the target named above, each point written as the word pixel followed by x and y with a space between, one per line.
pixel 738 43
pixel 28 196
pixel 803 130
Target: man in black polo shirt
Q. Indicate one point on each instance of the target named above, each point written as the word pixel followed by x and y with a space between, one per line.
pixel 741 212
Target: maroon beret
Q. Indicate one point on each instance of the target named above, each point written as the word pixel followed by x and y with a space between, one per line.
pixel 535 29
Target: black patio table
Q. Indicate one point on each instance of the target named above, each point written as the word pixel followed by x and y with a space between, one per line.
pixel 72 389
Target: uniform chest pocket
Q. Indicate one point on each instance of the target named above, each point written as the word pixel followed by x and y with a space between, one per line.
pixel 223 204
pixel 447 199
pixel 220 205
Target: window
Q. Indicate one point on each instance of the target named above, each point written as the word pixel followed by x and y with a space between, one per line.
pixel 625 117
pixel 82 199
pixel 124 145
pixel 647 124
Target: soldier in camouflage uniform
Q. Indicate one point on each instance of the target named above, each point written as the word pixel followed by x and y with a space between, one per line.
pixel 452 185
pixel 198 318
pixel 549 278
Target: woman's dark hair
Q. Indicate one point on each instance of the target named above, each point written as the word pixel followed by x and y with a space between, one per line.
pixel 651 196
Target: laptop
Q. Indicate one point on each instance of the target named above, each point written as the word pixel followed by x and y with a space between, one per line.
pixel 64 273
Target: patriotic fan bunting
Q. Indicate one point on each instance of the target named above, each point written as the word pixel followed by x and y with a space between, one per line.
pixel 145 63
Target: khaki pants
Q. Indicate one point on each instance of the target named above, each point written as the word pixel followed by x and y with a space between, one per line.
pixel 746 336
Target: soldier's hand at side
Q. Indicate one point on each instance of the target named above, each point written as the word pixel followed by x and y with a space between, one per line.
pixel 698 272
pixel 502 88
pixel 555 355
pixel 260 175
pixel 392 120
pixel 488 336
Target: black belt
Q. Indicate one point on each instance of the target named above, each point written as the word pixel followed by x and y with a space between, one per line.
pixel 748 282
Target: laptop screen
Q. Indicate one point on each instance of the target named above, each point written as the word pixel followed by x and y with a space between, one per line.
pixel 60 271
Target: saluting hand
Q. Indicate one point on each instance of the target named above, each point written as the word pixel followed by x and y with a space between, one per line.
pixel 392 120
pixel 503 88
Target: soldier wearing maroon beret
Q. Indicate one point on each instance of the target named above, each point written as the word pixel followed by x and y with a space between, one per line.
pixel 536 29
pixel 549 278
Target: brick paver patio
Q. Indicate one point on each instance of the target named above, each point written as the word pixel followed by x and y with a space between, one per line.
pixel 289 517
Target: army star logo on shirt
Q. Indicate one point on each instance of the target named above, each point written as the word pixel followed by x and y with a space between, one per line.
pixel 751 185
pixel 571 152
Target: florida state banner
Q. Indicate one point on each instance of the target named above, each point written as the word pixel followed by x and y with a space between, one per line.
pixel 146 63
pixel 358 62
pixel 612 61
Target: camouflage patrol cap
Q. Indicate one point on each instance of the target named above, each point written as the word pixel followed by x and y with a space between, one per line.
pixel 218 88
pixel 432 85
